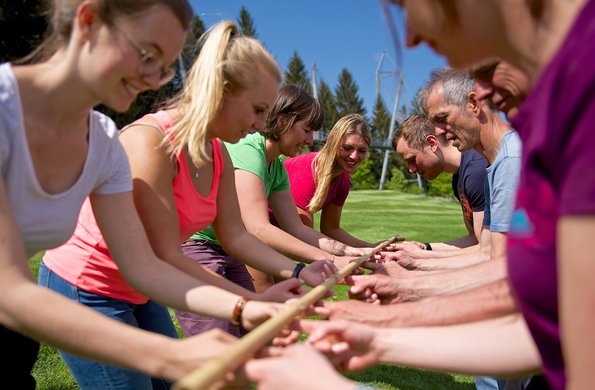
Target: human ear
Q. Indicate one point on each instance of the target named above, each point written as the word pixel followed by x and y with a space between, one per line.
pixel 474 103
pixel 432 142
pixel 86 15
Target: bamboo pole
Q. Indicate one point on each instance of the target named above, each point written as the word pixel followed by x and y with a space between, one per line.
pixel 214 369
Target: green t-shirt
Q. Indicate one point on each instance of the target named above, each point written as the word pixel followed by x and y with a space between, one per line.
pixel 249 155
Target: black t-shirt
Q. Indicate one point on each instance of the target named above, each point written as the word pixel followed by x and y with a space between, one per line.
pixel 468 183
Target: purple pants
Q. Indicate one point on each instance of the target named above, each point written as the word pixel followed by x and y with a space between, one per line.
pixel 214 258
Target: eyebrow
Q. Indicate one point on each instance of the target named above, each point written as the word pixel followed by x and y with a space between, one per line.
pixel 441 112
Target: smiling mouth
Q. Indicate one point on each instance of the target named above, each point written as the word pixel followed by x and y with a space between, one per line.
pixel 132 90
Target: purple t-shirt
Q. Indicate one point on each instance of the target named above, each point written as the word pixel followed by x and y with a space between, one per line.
pixel 557 178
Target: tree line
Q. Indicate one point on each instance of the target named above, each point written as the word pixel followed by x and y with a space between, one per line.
pixel 26 20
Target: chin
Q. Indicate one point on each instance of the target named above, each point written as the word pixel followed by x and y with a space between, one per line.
pixel 119 107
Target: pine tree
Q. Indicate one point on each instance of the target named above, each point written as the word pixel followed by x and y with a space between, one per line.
pixel 329 106
pixel 246 23
pixel 380 119
pixel 415 104
pixel 346 95
pixel 297 74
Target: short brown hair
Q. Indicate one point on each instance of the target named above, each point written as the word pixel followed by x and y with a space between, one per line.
pixel 414 130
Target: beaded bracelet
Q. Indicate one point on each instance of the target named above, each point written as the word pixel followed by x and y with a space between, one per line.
pixel 236 316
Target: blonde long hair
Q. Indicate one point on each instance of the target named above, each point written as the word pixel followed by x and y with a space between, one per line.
pixel 228 62
pixel 325 163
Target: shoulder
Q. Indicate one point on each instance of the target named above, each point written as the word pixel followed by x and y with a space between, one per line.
pixel 10 106
pixel 253 141
pixel 511 146
pixel 103 124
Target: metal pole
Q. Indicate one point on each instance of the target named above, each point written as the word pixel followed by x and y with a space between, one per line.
pixel 314 82
pixel 391 133
pixel 378 73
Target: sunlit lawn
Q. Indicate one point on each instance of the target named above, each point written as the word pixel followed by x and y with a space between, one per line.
pixel 372 216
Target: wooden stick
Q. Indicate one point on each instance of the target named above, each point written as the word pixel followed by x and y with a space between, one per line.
pixel 214 369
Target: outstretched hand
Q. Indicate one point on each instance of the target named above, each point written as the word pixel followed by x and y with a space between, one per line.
pixel 386 289
pixel 194 351
pixel 348 345
pixel 281 371
pixel 283 291
pixel 317 272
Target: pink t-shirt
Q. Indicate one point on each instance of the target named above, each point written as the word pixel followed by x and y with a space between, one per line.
pixel 301 177
pixel 84 259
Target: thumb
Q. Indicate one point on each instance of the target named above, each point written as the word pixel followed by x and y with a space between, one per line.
pixel 255 369
pixel 292 283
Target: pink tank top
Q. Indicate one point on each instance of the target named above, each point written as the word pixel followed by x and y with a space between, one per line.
pixel 84 259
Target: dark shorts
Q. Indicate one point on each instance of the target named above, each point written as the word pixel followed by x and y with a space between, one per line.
pixel 214 258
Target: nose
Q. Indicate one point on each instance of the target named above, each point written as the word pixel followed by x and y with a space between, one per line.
pixel 310 138
pixel 353 155
pixel 153 80
pixel 439 130
pixel 412 168
pixel 412 38
pixel 483 89
pixel 259 123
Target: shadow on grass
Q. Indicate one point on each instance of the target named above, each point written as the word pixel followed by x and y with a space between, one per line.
pixel 402 378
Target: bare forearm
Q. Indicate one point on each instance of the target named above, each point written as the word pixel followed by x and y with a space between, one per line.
pixel 450 282
pixel 32 311
pixel 452 262
pixel 251 251
pixel 489 301
pixel 341 235
pixel 452 252
pixel 319 240
pixel 500 347
pixel 287 244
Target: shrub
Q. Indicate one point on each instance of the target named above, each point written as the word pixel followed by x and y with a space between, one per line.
pixel 441 186
pixel 397 181
pixel 363 178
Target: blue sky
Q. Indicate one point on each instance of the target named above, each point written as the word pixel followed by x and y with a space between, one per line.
pixel 332 34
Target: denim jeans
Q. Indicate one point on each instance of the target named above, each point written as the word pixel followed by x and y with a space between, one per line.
pixel 488 383
pixel 90 374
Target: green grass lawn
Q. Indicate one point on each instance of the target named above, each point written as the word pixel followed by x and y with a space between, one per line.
pixel 372 216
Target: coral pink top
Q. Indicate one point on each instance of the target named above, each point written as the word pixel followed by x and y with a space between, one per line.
pixel 84 259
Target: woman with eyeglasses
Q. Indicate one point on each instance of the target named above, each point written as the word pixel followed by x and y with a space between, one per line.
pixel 55 151
pixel 183 182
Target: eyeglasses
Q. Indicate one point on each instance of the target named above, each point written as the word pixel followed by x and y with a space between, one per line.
pixel 149 63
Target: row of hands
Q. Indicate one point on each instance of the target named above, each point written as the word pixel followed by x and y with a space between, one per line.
pixel 384 286
pixel 335 344
pixel 330 346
